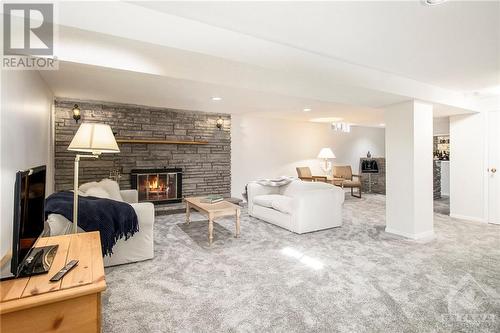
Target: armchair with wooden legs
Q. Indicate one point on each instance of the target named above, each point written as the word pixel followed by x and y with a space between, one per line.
pixel 305 174
pixel 343 177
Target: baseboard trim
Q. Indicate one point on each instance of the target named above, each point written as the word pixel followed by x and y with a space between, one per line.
pixel 419 236
pixel 468 218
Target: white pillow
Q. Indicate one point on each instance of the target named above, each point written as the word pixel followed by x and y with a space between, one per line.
pixel 97 192
pixel 109 186
pixel 85 187
pixel 112 188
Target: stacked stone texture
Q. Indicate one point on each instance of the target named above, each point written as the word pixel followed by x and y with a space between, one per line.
pixel 206 168
pixel 437 179
pixel 377 179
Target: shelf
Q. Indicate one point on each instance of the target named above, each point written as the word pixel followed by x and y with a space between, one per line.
pixel 161 142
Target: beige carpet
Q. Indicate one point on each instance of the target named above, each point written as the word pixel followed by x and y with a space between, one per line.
pixel 355 278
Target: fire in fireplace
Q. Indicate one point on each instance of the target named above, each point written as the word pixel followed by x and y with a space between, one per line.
pixel 158 185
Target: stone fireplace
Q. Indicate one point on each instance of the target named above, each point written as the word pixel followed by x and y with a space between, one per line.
pixel 158 185
pixel 192 169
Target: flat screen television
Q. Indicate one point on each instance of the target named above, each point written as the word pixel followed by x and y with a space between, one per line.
pixel 29 223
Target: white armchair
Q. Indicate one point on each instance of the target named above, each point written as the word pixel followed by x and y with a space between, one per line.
pixel 138 247
pixel 299 206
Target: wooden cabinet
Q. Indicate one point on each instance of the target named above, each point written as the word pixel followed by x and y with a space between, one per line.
pixel 73 304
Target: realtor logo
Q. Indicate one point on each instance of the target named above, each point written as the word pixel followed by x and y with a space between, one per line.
pixel 28 29
pixel 28 36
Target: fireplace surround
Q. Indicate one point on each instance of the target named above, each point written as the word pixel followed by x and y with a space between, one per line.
pixel 206 168
pixel 159 186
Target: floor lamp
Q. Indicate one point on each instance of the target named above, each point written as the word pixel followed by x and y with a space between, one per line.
pixel 326 154
pixel 90 138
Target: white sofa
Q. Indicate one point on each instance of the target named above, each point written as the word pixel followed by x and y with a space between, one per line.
pixel 298 206
pixel 138 247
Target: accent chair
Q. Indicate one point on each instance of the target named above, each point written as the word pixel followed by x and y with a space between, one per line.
pixel 305 174
pixel 343 177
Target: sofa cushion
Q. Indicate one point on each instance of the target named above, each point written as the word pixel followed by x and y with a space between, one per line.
pixel 283 204
pixel 265 200
pixel 278 202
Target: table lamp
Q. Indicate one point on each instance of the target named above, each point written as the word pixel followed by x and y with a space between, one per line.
pixel 326 154
pixel 91 138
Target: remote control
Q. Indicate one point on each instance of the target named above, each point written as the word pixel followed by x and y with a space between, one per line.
pixel 59 275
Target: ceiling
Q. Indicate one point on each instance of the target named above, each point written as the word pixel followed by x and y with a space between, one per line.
pixel 342 60
pixel 455 45
pixel 105 84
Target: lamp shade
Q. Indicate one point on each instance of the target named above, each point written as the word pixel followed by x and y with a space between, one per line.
pixel 94 138
pixel 325 153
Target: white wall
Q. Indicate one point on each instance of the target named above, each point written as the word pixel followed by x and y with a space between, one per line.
pixel 441 126
pixel 467 167
pixel 266 147
pixel 25 122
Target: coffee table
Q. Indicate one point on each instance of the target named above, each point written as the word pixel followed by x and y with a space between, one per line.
pixel 219 209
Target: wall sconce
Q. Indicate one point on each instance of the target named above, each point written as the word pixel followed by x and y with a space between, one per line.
pixel 76 113
pixel 219 123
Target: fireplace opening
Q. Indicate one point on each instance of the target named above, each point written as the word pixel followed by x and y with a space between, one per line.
pixel 158 185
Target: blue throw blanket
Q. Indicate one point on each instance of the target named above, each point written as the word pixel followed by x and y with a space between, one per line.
pixel 113 219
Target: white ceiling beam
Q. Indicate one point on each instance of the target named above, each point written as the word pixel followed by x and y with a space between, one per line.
pixel 250 60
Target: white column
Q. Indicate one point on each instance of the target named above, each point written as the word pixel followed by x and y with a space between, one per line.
pixel 409 170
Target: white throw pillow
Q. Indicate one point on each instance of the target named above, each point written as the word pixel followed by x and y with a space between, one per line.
pixel 295 188
pixel 109 186
pixel 112 188
pixel 97 192
pixel 85 187
pixel 283 204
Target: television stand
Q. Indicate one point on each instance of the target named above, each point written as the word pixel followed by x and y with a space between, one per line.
pixel 38 261
pixel 72 304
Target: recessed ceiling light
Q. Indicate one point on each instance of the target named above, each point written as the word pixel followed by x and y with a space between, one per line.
pixel 216 98
pixel 307 109
pixel 382 125
pixel 433 2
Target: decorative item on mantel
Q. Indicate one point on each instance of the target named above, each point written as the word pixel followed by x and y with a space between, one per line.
pixel 115 174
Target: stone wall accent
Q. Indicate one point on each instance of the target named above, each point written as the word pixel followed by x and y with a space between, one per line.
pixel 437 179
pixel 206 168
pixel 377 179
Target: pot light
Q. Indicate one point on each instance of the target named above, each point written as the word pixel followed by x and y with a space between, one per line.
pixel 216 98
pixel 381 125
pixel 433 2
pixel 307 109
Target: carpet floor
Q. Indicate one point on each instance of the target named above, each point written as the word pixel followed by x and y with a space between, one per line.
pixel 355 278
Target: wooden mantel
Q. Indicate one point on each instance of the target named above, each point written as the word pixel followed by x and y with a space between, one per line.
pixel 161 142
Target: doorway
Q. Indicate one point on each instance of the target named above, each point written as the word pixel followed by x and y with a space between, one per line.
pixel 441 165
